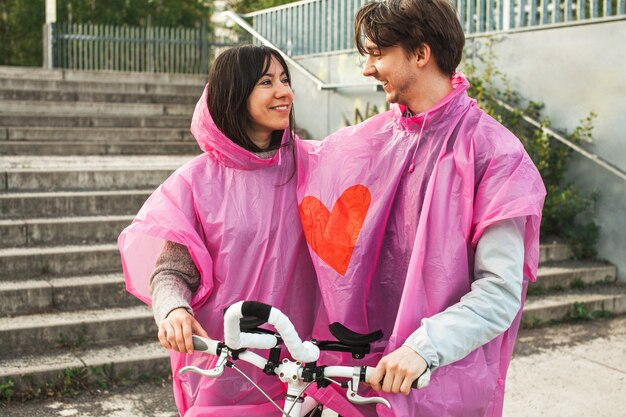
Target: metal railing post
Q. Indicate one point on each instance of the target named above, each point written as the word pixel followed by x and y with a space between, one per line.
pixel 48 34
pixel 150 45
pixel 204 47
pixel 48 45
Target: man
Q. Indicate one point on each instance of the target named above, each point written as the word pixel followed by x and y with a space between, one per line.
pixel 424 221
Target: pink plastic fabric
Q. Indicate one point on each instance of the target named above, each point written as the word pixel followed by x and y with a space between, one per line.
pixel 237 213
pixel 392 227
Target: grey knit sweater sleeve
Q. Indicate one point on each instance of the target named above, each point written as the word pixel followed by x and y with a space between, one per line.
pixel 174 281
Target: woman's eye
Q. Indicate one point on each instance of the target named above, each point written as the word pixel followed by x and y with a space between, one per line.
pixel 286 81
pixel 265 82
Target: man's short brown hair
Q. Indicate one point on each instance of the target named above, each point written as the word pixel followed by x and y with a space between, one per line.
pixel 410 24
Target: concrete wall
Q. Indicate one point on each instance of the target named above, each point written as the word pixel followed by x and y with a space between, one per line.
pixel 573 70
pixel 324 112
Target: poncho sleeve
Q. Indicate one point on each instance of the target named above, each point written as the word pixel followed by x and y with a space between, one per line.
pixel 508 185
pixel 169 214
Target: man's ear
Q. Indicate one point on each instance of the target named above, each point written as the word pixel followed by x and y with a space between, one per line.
pixel 422 55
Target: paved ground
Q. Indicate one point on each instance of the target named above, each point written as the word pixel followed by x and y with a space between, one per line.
pixel 575 370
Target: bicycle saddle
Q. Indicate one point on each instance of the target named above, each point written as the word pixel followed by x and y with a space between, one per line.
pixel 350 338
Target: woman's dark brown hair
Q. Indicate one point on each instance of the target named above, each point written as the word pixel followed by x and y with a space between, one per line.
pixel 233 76
pixel 409 24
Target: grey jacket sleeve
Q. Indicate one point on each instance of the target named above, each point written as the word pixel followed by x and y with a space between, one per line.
pixel 174 281
pixel 488 309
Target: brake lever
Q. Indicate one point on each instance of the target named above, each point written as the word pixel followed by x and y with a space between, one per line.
pixel 355 398
pixel 211 373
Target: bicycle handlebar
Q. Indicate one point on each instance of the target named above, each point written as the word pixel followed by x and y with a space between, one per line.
pixel 235 339
pixel 236 342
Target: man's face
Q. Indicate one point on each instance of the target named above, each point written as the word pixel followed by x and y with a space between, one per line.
pixel 395 71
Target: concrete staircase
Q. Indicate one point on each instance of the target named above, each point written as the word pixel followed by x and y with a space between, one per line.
pixel 569 290
pixel 79 153
pixel 54 112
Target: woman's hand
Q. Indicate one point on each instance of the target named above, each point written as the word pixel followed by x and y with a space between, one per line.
pixel 397 371
pixel 176 330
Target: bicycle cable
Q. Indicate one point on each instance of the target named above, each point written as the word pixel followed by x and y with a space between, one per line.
pixel 286 414
pixel 297 398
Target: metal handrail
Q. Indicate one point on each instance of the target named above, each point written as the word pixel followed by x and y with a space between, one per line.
pixel 591 156
pixel 282 7
pixel 330 22
pixel 319 83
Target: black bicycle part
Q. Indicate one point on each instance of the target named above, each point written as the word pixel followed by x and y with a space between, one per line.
pixel 351 338
pixel 252 320
pixel 256 309
pixel 348 341
pixel 272 361
pixel 313 373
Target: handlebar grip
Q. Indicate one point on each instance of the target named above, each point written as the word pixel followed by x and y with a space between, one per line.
pixel 199 344
pixel 202 344
pixel 366 378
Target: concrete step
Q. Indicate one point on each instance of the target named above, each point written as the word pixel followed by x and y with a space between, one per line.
pixel 78 203
pixel 34 73
pixel 586 303
pixel 62 231
pixel 80 134
pixel 103 148
pixel 83 179
pixel 64 294
pixel 37 333
pixel 101 87
pixel 52 108
pixel 100 97
pixel 64 121
pixel 24 263
pixel 71 162
pixel 102 366
pixel 554 252
pixel 573 274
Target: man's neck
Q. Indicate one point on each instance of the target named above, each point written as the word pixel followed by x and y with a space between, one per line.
pixel 431 91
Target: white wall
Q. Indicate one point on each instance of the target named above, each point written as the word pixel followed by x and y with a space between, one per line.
pixel 573 70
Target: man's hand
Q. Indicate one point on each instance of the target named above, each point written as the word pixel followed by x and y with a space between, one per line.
pixel 176 330
pixel 399 370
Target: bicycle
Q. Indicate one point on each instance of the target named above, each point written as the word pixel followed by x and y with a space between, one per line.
pixel 241 332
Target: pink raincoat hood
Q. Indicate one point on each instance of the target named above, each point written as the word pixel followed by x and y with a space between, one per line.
pixel 392 210
pixel 237 214
pixel 213 141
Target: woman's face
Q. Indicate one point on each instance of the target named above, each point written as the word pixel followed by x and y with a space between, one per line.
pixel 269 105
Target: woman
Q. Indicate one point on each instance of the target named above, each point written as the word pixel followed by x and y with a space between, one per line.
pixel 225 227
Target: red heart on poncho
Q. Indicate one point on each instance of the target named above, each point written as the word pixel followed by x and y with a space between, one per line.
pixel 333 234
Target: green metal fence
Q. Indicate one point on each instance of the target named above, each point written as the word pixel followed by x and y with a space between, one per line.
pixel 143 49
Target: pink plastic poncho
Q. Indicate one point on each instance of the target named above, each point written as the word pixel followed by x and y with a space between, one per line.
pixel 392 227
pixel 237 213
